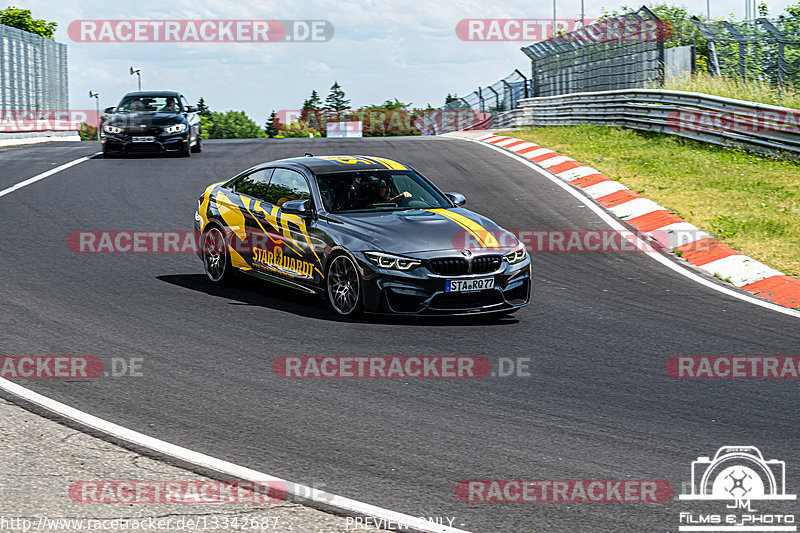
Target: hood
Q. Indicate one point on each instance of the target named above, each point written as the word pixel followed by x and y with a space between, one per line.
pixel 419 231
pixel 148 119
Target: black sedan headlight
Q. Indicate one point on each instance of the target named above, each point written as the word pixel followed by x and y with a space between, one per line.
pixel 175 128
pixel 517 255
pixel 392 262
pixel 112 129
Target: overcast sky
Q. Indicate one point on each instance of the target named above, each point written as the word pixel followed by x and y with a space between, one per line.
pixel 382 49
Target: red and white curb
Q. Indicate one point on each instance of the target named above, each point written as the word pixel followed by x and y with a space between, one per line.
pixel 661 225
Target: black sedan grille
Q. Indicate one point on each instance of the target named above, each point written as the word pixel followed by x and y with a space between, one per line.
pixel 448 266
pixel 486 263
pixel 456 266
pixel 150 131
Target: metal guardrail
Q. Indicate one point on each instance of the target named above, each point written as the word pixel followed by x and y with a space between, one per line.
pixel 713 119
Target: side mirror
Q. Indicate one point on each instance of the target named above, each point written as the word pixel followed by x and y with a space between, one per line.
pixel 191 109
pixel 110 110
pixel 297 207
pixel 457 199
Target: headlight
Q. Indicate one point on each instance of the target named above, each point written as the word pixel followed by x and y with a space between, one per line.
pixel 517 255
pixel 112 129
pixel 393 262
pixel 175 128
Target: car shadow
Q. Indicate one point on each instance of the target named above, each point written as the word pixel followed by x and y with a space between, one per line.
pixel 256 293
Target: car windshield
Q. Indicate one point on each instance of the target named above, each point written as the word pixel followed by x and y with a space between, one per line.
pixel 378 190
pixel 149 104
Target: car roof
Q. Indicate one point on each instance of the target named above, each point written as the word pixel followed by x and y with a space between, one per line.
pixel 327 164
pixel 153 93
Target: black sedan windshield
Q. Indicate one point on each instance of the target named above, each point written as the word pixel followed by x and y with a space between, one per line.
pixel 149 104
pixel 378 190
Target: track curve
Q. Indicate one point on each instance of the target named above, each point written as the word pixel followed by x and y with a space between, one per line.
pixel 601 327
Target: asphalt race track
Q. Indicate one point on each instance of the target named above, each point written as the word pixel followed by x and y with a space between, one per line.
pixel 598 404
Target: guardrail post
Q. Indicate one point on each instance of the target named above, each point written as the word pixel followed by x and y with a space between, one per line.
pixel 782 40
pixel 496 98
pixel 525 80
pixel 740 41
pixel 510 94
pixel 713 60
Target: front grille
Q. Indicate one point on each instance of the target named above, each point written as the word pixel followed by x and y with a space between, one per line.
pixel 456 266
pixel 150 131
pixel 448 266
pixel 486 263
pixel 466 300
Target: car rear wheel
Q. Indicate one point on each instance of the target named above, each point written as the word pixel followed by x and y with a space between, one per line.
pixel 216 260
pixel 198 145
pixel 344 286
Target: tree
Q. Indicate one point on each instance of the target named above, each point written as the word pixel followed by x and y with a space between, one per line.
pixel 336 100
pixel 311 106
pixel 273 125
pixel 230 125
pixel 23 20
pixel 202 108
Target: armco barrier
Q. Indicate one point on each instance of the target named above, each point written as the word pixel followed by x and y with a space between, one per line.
pixel 713 119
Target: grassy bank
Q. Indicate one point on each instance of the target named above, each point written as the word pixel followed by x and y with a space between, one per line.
pixel 752 90
pixel 751 202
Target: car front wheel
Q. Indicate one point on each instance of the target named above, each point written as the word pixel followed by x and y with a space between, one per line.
pixel 216 260
pixel 344 286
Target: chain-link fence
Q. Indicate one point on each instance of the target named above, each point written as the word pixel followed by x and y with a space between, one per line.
pixel 764 50
pixel 617 53
pixel 33 72
pixel 502 95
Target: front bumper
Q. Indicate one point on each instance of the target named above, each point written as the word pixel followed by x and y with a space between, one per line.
pixel 422 292
pixel 122 143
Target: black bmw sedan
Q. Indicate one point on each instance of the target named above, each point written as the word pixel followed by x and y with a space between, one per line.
pixel 365 233
pixel 152 122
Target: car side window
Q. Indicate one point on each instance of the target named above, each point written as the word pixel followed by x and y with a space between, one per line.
pixel 287 185
pixel 184 103
pixel 255 184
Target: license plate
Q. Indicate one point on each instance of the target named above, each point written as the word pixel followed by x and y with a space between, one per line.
pixel 143 139
pixel 468 285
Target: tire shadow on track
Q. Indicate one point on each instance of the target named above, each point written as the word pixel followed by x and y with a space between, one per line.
pixel 251 292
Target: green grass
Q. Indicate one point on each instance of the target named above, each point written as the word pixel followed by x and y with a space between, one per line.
pixel 752 90
pixel 750 201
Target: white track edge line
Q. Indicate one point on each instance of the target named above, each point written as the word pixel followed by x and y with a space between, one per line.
pixel 44 175
pixel 616 225
pixel 196 458
pixel 219 465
